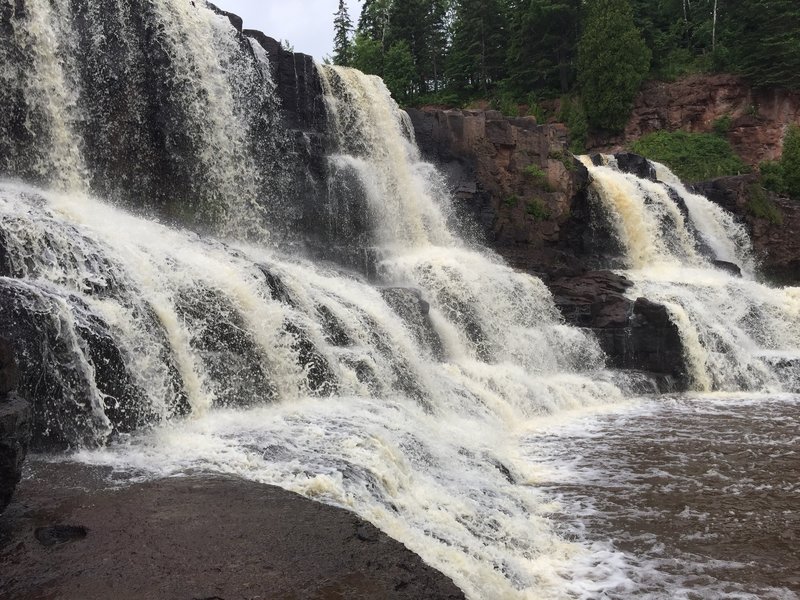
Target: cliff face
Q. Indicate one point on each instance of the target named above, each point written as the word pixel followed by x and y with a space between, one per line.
pixel 531 200
pixel 758 117
pixel 777 243
pixel 520 183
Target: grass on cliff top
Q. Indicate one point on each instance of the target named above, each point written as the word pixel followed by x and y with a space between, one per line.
pixel 691 156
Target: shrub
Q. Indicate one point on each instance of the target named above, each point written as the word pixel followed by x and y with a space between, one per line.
pixel 511 201
pixel 722 126
pixel 759 205
pixel 537 210
pixel 574 117
pixel 692 156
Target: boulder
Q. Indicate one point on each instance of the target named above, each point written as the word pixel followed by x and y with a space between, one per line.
pixel 635 334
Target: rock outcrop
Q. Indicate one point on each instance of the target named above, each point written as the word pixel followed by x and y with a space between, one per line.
pixel 758 117
pixel 76 535
pixel 14 425
pixel 635 334
pixel 518 181
pixel 777 240
pixel 532 203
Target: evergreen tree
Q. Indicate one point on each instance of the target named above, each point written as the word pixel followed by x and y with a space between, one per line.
pixel 374 20
pixel 542 45
pixel 342 25
pixel 367 55
pixel 612 63
pixel 477 54
pixel 764 41
pixel 399 73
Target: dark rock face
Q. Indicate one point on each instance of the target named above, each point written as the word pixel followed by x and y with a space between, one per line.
pixel 196 537
pixel 14 425
pixel 518 181
pixel 636 164
pixel 636 335
pixel 777 245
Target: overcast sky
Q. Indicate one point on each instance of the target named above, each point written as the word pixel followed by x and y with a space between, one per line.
pixel 306 24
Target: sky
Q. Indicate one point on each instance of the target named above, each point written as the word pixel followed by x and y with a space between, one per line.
pixel 306 24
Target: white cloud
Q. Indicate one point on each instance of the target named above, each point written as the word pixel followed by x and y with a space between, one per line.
pixel 306 24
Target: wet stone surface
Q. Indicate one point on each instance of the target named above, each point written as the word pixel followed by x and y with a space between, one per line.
pixel 701 495
pixel 76 532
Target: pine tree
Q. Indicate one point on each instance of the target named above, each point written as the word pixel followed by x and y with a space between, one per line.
pixel 613 60
pixel 399 72
pixel 542 45
pixel 477 54
pixel 342 25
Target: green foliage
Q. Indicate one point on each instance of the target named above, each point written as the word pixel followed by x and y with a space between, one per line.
pixel 722 126
pixel 759 205
pixel 342 26
pixel 613 61
pixel 565 157
pixel 574 117
pixel 772 176
pixel 783 176
pixel 541 47
pixel 536 173
pixel 511 201
pixel 398 71
pixel 367 55
pixel 790 162
pixel 764 41
pixel 477 52
pixel 692 156
pixel 537 209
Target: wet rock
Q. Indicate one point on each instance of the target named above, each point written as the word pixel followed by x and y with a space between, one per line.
pixel 14 425
pixel 636 335
pixel 198 537
pixel 635 164
pixel 776 242
pixel 414 310
pixel 517 188
pixel 59 534
pixel 68 360
pixel 730 267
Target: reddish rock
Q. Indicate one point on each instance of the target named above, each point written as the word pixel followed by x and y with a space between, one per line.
pixel 694 103
pixel 520 182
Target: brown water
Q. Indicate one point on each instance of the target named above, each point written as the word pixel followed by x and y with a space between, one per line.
pixel 698 497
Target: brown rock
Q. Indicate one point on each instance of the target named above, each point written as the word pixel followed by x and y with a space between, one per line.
pixel 195 537
pixel 694 103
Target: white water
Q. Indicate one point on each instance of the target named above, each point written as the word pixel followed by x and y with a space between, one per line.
pixel 732 327
pixel 420 426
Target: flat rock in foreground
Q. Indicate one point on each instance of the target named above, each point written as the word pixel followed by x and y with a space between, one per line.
pixel 70 534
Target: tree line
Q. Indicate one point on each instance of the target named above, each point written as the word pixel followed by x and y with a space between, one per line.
pixel 596 53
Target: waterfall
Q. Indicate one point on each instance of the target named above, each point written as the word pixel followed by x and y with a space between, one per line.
pixel 735 330
pixel 175 307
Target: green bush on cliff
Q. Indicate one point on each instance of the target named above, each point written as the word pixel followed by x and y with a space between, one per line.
pixel 783 176
pixel 691 156
pixel 761 206
pixel 537 209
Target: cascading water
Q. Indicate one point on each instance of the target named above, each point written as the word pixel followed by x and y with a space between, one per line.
pixel 412 398
pixel 735 331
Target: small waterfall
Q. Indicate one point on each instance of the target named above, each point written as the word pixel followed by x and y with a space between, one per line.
pixel 735 330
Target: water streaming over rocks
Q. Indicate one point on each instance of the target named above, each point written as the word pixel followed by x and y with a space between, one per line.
pixel 400 376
